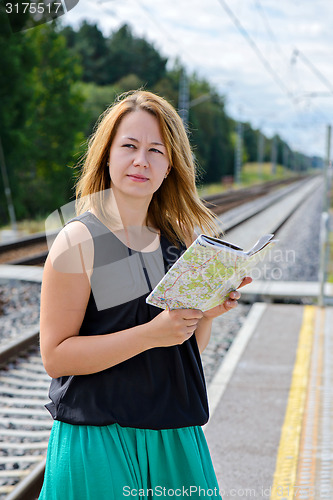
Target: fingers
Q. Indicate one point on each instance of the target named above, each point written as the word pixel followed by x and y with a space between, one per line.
pixel 230 304
pixel 190 330
pixel 231 301
pixel 235 295
pixel 191 325
pixel 246 281
pixel 185 320
pixel 188 314
pixel 192 314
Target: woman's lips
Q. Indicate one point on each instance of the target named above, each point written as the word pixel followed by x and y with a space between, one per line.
pixel 138 178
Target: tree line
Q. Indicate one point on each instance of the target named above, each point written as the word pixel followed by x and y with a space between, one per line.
pixel 56 81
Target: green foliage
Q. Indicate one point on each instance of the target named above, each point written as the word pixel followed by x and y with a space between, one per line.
pixel 16 59
pixel 210 132
pixel 105 61
pixel 56 118
pixel 96 99
pixel 54 84
pixel 90 46
pixel 133 55
pixel 41 119
pixel 129 82
pixel 250 140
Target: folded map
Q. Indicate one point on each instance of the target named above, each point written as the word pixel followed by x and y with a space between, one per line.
pixel 206 273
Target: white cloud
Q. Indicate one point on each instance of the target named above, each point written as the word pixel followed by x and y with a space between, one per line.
pixel 205 38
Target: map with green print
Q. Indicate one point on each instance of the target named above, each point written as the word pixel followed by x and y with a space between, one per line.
pixel 206 273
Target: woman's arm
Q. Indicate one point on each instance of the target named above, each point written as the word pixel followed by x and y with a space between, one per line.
pixel 203 333
pixel 204 328
pixel 64 298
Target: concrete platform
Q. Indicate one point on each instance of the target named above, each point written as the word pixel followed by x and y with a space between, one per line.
pixel 26 273
pixel 275 214
pixel 270 431
pixel 249 209
pixel 294 290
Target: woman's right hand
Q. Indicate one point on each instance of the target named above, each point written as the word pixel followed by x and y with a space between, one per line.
pixel 172 327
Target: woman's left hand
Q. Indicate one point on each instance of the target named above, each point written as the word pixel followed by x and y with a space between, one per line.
pixel 228 304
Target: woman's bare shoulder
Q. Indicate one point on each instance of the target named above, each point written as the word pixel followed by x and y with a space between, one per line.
pixel 72 250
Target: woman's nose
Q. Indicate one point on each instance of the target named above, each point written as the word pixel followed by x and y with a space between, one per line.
pixel 140 159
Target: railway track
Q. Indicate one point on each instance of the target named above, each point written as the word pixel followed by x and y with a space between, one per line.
pixel 24 423
pixel 221 203
pixel 33 250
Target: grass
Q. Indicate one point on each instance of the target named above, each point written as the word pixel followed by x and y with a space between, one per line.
pixel 26 226
pixel 250 175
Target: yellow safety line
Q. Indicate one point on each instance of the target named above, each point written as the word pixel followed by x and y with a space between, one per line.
pixel 287 458
pixel 307 457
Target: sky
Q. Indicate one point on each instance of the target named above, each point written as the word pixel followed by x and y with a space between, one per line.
pixel 272 60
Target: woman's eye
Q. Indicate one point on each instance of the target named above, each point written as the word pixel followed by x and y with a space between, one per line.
pixel 132 146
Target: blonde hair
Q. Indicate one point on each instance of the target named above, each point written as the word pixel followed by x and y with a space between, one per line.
pixel 175 208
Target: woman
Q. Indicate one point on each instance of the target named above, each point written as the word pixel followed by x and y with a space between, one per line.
pixel 128 393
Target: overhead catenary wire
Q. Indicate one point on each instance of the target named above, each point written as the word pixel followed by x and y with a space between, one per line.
pixel 269 30
pixel 306 60
pixel 257 51
pixel 148 13
pixel 290 62
pixel 293 60
pixel 301 94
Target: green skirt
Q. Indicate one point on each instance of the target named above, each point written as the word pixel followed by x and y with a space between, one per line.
pixel 114 463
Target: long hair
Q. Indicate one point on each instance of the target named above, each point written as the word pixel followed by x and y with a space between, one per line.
pixel 175 208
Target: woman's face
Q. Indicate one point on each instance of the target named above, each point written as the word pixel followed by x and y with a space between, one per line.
pixel 138 159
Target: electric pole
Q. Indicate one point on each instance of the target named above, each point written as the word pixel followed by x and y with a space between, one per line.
pixel 238 152
pixel 8 192
pixel 285 156
pixel 274 155
pixel 327 173
pixel 261 145
pixel 183 99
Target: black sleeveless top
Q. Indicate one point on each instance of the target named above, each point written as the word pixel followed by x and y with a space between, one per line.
pixel 161 388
